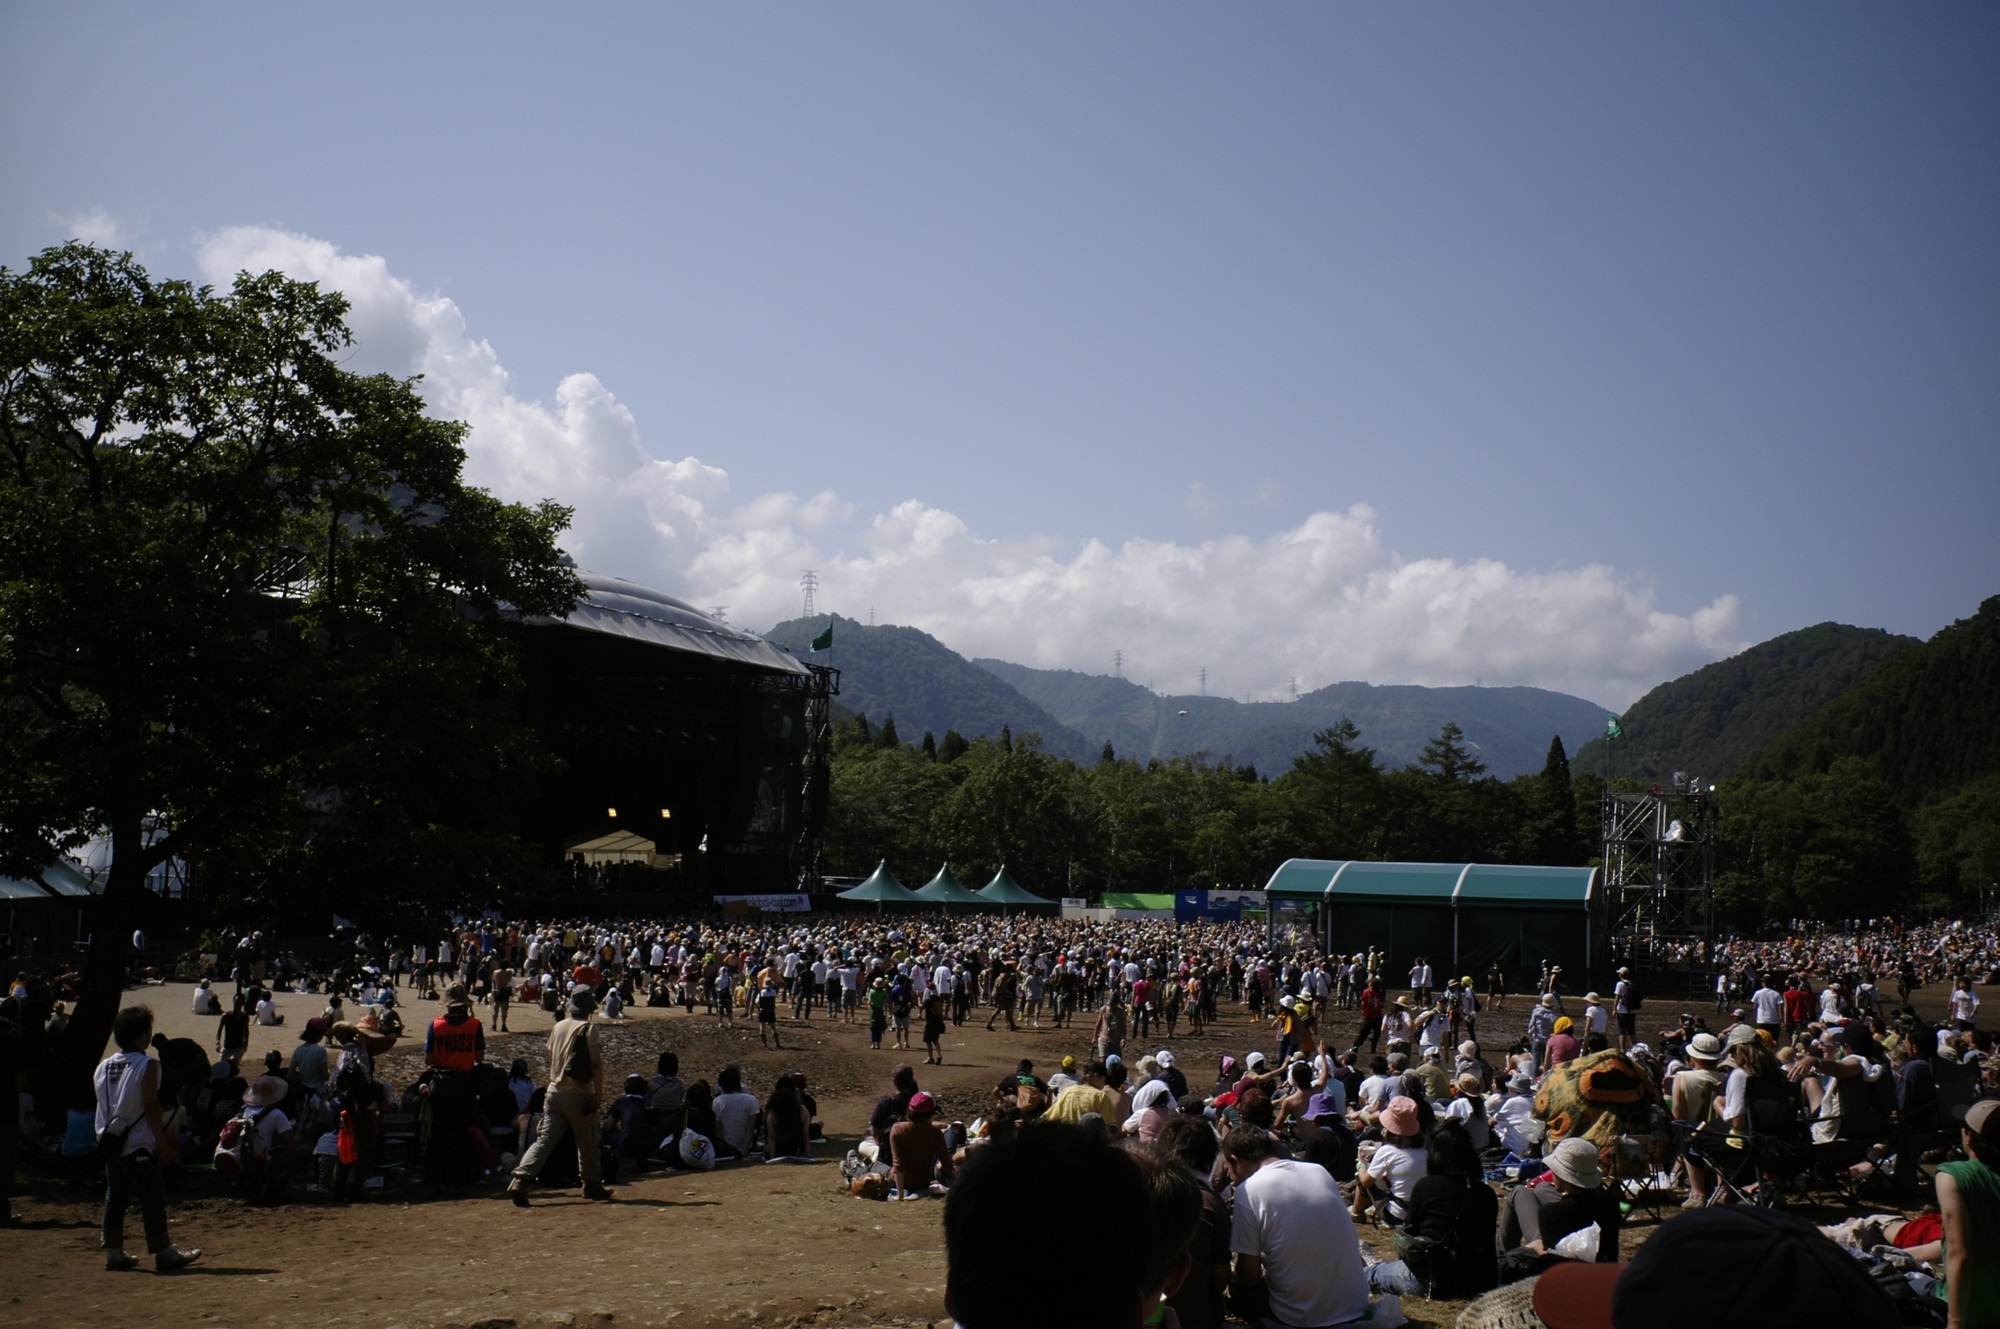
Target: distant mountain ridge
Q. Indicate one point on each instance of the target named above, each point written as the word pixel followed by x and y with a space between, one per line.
pixel 926 685
pixel 1508 728
pixel 1710 722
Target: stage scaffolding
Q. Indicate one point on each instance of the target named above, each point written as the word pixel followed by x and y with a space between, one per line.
pixel 1659 868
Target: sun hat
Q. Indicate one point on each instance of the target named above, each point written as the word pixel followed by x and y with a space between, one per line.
pixel 1320 1105
pixel 1521 1084
pixel 1469 1084
pixel 265 1091
pixel 1165 1057
pixel 1256 1061
pixel 1591 999
pixel 1738 1035
pixel 1400 1117
pixel 1705 1047
pixel 455 998
pixel 1403 1002
pixel 922 1104
pixel 1575 1161
pixel 1468 1049
pixel 1764 1265
pixel 1549 1000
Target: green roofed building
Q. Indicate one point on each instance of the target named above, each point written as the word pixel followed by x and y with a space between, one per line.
pixel 1004 890
pixel 1464 917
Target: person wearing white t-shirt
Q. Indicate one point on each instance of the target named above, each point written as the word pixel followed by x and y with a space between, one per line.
pixel 1964 1005
pixel 1768 1007
pixel 1291 1232
pixel 267 1013
pixel 1390 1174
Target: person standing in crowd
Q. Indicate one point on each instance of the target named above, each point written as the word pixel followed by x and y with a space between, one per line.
pixel 576 1087
pixel 131 1139
pixel 454 1045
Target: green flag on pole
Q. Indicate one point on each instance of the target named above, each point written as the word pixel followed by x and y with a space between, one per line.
pixel 1612 729
pixel 824 641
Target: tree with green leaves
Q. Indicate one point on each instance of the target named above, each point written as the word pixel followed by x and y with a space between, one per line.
pixel 250 613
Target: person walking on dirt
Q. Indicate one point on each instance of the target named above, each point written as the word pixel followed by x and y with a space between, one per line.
pixel 576 1087
pixel 767 1015
pixel 1110 1036
pixel 1006 986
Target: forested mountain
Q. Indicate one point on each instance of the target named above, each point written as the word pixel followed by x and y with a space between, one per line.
pixel 1886 797
pixel 924 684
pixel 1710 722
pixel 1506 728
pixel 1927 720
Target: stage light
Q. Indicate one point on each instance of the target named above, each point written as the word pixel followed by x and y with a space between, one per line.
pixel 666 814
pixel 611 812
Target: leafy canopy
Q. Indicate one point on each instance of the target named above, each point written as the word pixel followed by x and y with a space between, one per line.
pixel 248 606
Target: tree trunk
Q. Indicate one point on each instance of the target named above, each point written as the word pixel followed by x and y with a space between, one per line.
pixel 118 912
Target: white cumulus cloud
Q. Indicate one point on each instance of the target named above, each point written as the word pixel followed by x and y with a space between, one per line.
pixel 1322 602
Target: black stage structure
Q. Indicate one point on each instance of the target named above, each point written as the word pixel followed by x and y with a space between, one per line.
pixel 672 725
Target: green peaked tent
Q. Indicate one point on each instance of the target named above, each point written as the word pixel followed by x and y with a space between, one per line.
pixel 1004 890
pixel 947 889
pixel 881 888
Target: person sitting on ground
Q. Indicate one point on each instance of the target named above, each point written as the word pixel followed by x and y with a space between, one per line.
pixel 521 1082
pixel 787 1124
pixel 736 1115
pixel 1325 1137
pixel 1298 1258
pixel 1152 1109
pixel 1200 1302
pixel 1086 1097
pixel 1969 1204
pixel 1388 1177
pixel 1468 1108
pixel 1051 1168
pixel 918 1155
pixel 1568 1198
pixel 890 1109
pixel 1449 1245
pixel 205 1000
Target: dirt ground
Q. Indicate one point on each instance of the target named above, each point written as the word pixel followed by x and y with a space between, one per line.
pixel 744 1244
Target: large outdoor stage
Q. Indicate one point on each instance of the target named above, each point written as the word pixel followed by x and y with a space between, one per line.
pixel 676 727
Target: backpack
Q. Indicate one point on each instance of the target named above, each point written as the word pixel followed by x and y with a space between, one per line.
pixel 235 1147
pixel 1633 999
pixel 1031 1098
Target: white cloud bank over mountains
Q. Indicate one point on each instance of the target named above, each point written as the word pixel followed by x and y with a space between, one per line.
pixel 1323 601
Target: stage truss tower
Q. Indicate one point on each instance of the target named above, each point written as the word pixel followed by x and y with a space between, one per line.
pixel 1659 865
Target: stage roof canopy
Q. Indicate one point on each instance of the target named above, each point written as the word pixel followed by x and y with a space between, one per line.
pixel 624 609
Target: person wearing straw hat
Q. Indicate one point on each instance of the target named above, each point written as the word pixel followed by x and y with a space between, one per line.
pixel 576 1087
pixel 1697 1087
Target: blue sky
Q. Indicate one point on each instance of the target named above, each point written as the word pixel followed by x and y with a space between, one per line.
pixel 1564 345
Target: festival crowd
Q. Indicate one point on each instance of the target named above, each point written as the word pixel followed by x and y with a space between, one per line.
pixel 1506 1166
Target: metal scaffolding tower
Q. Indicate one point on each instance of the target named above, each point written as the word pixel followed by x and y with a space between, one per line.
pixel 1659 865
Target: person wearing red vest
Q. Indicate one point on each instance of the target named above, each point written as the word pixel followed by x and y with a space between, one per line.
pixel 453 1046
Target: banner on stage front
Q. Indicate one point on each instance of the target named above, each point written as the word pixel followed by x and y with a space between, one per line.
pixel 769 904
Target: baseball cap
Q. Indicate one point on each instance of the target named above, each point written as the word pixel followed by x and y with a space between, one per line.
pixel 1757 1266
pixel 1982 1118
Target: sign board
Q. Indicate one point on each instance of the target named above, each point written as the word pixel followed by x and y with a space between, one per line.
pixel 1076 902
pixel 769 904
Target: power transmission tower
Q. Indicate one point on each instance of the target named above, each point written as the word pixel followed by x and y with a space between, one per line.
pixel 1204 680
pixel 1118 664
pixel 871 616
pixel 1295 687
pixel 720 613
pixel 809 584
